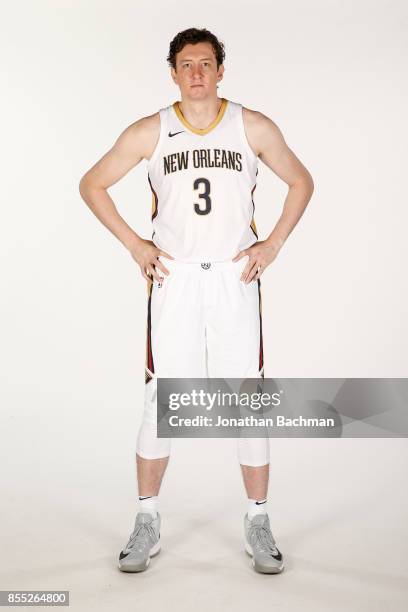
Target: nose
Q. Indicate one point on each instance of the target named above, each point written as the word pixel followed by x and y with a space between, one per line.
pixel 196 71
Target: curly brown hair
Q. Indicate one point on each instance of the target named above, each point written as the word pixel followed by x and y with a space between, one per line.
pixel 193 36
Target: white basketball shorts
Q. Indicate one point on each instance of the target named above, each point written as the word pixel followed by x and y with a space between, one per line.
pixel 202 321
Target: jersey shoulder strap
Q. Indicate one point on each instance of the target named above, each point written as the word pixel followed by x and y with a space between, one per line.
pixel 237 114
pixel 164 128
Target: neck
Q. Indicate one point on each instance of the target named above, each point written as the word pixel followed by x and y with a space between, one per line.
pixel 200 113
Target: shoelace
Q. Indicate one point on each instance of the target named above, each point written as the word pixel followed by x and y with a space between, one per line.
pixel 262 538
pixel 137 540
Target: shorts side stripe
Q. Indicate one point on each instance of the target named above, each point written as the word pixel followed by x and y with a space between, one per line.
pixel 261 355
pixel 149 353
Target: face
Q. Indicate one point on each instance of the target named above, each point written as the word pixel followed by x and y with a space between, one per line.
pixel 196 71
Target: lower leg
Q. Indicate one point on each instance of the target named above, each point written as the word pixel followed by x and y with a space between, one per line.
pixel 254 456
pixel 152 457
pixel 256 480
pixel 256 485
pixel 150 474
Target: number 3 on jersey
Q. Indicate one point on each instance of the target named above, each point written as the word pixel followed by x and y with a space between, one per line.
pixel 205 195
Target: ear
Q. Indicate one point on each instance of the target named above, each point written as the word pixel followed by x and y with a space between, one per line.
pixel 174 75
pixel 220 74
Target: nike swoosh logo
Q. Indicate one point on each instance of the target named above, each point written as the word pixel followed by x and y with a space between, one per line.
pixel 278 557
pixel 260 503
pixel 148 497
pixel 175 133
pixel 123 555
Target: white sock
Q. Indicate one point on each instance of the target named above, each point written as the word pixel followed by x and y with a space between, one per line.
pixel 148 504
pixel 256 506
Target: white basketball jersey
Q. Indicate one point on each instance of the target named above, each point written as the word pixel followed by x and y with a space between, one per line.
pixel 202 182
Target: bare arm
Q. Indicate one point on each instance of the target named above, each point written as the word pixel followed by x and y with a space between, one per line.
pixel 136 142
pixel 268 143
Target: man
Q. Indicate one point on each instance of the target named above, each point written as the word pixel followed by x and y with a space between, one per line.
pixel 202 154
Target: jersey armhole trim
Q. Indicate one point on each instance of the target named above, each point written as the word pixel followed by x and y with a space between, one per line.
pixel 243 134
pixel 160 139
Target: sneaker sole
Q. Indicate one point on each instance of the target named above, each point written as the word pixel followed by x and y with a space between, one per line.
pixel 263 569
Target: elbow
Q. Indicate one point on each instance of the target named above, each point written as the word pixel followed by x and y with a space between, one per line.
pixel 86 188
pixel 308 183
pixel 304 184
pixel 307 186
pixel 310 186
pixel 88 185
pixel 82 187
pixel 89 190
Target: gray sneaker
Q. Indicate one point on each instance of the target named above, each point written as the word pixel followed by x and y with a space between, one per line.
pixel 144 542
pixel 261 545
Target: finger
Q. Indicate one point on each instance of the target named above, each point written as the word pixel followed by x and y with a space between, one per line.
pixel 252 271
pixel 166 254
pixel 145 275
pixel 244 273
pixel 247 269
pixel 153 273
pixel 161 267
pixel 239 256
pixel 261 270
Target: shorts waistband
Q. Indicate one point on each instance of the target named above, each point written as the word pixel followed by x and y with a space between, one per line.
pixel 204 266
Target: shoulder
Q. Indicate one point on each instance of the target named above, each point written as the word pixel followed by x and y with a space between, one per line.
pixel 260 129
pixel 142 135
pixel 257 121
pixel 146 126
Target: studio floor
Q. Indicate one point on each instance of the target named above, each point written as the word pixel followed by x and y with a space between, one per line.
pixel 338 511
